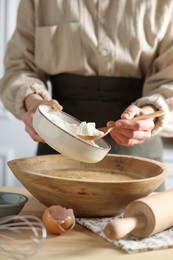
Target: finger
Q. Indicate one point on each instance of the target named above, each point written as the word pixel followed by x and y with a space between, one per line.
pixel 28 121
pixel 53 103
pixel 110 123
pixel 130 112
pixel 125 141
pixel 142 125
pixel 130 134
pixel 33 134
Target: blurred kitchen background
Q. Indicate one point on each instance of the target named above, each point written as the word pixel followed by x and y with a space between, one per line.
pixel 14 141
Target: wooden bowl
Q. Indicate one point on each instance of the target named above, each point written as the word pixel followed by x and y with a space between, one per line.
pixel 91 190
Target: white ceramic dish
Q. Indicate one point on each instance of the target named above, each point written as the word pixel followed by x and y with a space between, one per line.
pixel 64 142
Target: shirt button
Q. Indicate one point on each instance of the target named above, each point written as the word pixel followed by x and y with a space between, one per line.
pixel 104 52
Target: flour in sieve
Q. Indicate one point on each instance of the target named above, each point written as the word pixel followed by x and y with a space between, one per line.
pixel 83 128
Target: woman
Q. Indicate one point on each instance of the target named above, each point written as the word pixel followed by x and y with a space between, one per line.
pixel 101 67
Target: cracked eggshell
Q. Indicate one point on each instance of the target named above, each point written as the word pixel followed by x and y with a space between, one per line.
pixel 58 220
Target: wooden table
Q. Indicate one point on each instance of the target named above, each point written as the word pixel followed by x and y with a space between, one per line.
pixel 80 243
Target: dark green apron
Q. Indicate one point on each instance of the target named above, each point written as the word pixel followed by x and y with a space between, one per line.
pixel 100 99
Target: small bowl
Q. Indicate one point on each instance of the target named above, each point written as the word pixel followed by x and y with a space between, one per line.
pixel 11 203
pixel 58 180
pixel 64 142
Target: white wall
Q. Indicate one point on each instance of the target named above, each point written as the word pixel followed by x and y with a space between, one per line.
pixel 8 10
pixel 14 141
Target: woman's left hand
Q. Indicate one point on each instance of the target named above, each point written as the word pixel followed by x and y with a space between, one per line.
pixel 128 132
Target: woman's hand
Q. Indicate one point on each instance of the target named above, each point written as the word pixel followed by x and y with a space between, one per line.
pixel 31 103
pixel 128 132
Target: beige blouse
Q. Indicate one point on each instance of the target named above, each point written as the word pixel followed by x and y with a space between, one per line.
pixel 128 38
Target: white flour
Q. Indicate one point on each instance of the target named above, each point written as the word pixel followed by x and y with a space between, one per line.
pixel 83 128
pixel 88 129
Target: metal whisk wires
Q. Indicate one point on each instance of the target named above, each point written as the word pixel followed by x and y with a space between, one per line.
pixel 21 236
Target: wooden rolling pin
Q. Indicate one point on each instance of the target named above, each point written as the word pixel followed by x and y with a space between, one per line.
pixel 144 217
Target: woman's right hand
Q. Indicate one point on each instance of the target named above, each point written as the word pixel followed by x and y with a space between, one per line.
pixel 31 103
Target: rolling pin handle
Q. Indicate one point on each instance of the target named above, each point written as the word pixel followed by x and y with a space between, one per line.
pixel 118 228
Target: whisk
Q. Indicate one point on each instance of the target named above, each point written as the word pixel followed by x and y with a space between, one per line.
pixel 19 244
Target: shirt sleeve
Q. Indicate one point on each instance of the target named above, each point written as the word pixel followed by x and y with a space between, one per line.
pixel 158 86
pixel 21 76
